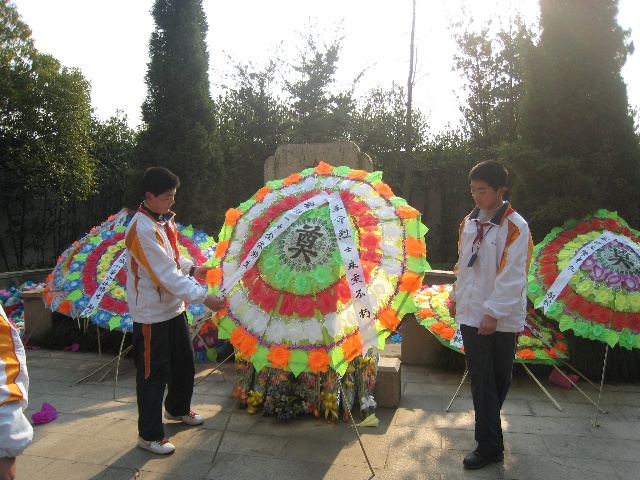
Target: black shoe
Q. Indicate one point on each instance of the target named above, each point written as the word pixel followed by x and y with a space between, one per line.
pixel 476 460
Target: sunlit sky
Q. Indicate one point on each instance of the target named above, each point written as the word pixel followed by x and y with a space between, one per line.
pixel 108 41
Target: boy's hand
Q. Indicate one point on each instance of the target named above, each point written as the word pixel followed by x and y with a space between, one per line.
pixel 201 272
pixel 452 308
pixel 214 303
pixel 487 325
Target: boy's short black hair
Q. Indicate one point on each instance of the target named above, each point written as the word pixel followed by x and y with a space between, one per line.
pixel 492 172
pixel 158 180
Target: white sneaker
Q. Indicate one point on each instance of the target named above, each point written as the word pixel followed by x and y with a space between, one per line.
pixel 161 447
pixel 192 419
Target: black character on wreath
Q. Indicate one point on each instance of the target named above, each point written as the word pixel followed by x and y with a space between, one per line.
pixel 308 235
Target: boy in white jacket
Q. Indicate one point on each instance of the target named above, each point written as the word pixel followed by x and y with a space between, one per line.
pixel 159 282
pixel 16 432
pixel 489 302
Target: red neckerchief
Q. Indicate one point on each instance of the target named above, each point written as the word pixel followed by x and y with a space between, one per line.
pixel 160 219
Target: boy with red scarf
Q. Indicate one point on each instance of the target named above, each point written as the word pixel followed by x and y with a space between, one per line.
pixel 159 282
pixel 489 301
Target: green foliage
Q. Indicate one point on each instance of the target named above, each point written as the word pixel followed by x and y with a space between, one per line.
pixel 580 152
pixel 253 123
pixel 321 116
pixel 16 44
pixel 180 130
pixel 493 70
pixel 378 128
pixel 444 178
pixel 113 149
pixel 45 116
pixel 45 122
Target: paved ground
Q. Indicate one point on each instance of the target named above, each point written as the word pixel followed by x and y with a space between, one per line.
pixel 94 436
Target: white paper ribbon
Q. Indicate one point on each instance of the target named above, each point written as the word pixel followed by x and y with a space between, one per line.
pixel 578 259
pixel 104 285
pixel 350 258
pixel 456 341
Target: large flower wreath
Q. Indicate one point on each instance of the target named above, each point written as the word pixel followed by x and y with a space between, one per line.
pixel 539 342
pixel 83 267
pixel 295 308
pixel 586 276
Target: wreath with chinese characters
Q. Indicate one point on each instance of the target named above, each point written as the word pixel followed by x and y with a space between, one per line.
pixel 293 309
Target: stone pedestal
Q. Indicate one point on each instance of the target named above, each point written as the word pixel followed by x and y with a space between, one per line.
pixel 37 317
pixel 388 383
pixel 419 345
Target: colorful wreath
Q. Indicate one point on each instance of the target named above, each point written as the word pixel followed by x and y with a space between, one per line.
pixel 82 268
pixel 586 275
pixel 539 342
pixel 294 306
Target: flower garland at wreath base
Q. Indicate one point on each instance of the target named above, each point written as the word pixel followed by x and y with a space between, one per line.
pixel 280 393
pixel 300 317
pixel 539 342
pixel 602 299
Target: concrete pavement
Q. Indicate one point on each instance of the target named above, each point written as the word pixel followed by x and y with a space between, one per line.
pixel 95 435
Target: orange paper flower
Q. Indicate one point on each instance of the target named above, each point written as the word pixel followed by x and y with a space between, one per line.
pixel 551 352
pixel 415 247
pixel 357 174
pixel 389 318
pixel 526 353
pixel 249 345
pixel 448 332
pixel 443 330
pixel 232 216
pixel 65 306
pixel 323 169
pixel 425 313
pixel 406 211
pixel 383 189
pixel 214 276
pixel 279 356
pixel 291 179
pixel 352 347
pixel 410 282
pixel 237 335
pixel 319 360
pixel 262 193
pixel 244 341
pixel 221 248
pixel 220 314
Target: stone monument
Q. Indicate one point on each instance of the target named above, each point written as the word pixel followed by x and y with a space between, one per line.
pixel 294 158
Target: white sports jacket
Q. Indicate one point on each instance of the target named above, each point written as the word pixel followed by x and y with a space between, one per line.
pixel 496 282
pixel 157 280
pixel 15 430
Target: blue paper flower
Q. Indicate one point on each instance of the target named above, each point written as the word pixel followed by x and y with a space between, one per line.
pixel 196 309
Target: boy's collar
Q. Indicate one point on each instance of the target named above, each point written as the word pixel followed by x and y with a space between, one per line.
pixel 497 218
pixel 158 217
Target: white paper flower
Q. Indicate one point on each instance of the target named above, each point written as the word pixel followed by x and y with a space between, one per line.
pixel 313 331
pixel 386 213
pixel 275 331
pixel 390 230
pixel 390 267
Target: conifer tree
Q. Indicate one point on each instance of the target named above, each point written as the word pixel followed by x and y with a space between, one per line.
pixel 179 130
pixel 580 152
